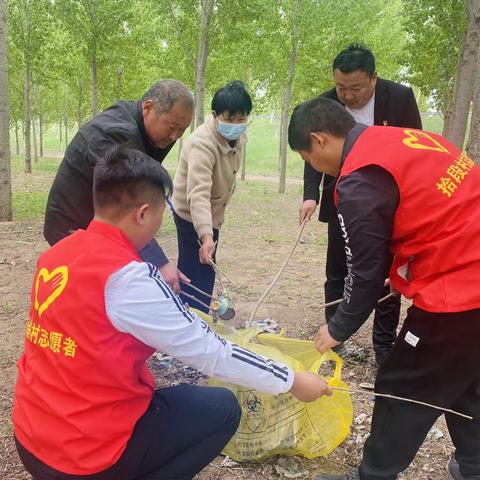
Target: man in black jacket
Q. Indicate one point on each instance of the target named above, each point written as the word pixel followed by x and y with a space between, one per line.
pixel 371 101
pixel 151 125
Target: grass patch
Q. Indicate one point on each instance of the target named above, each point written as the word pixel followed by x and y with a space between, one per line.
pixel 29 205
pixel 432 123
pixel 45 164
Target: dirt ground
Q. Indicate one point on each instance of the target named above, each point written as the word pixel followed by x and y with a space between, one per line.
pixel 259 233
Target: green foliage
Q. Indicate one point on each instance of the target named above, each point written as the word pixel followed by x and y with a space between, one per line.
pixel 29 29
pixel 435 29
pixel 136 42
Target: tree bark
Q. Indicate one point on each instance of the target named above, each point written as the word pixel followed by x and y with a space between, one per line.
pixel 26 91
pixel 93 85
pixel 27 122
pixel 465 76
pixel 5 172
pixel 447 122
pixel 287 97
pixel 35 149
pixel 203 41
pixel 40 129
pixel 473 144
pixel 79 104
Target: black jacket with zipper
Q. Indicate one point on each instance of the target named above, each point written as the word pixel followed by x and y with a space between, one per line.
pixel 70 202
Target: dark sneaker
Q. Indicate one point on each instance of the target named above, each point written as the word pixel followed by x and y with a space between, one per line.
pixel 352 474
pixel 341 349
pixel 453 470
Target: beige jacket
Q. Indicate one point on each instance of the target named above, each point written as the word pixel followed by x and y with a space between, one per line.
pixel 205 177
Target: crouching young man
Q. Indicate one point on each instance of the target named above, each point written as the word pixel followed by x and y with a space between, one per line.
pixel 413 194
pixel 85 404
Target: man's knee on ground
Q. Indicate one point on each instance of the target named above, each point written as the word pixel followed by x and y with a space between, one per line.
pixel 228 409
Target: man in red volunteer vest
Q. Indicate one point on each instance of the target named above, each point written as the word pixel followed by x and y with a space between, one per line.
pixel 85 404
pixel 413 194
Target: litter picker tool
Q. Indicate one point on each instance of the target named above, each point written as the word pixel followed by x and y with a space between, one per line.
pixel 217 268
pixel 220 305
pixel 275 280
pixel 403 399
pixel 340 300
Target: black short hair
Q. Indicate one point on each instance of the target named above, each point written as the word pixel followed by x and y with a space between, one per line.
pixel 355 57
pixel 317 115
pixel 127 177
pixel 232 98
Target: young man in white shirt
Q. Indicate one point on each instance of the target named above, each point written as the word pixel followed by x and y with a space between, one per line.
pixel 85 402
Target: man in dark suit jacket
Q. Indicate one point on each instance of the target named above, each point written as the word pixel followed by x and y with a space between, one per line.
pixel 372 101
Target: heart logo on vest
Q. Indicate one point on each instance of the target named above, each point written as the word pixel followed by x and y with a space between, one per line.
pixel 422 141
pixel 49 286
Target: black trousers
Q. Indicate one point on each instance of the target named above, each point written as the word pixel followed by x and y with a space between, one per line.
pixel 201 276
pixel 183 430
pixel 387 313
pixel 443 368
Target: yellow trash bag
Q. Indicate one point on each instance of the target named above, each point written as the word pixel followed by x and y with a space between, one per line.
pixel 281 424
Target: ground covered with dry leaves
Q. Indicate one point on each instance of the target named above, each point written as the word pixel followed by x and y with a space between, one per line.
pixel 261 228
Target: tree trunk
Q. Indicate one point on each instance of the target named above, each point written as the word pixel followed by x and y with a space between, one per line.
pixel 40 129
pixel 60 131
pixel 465 75
pixel 79 104
pixel 447 122
pixel 26 124
pixel 207 8
pixel 93 85
pixel 287 98
pixel 473 144
pixel 5 172
pixel 17 143
pixel 35 149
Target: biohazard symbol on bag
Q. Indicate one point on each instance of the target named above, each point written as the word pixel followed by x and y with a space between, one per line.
pixel 253 411
pixel 281 424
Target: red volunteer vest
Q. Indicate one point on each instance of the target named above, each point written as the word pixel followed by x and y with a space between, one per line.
pixel 82 385
pixel 436 231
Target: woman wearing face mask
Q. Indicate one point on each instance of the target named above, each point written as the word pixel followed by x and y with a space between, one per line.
pixel 205 182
